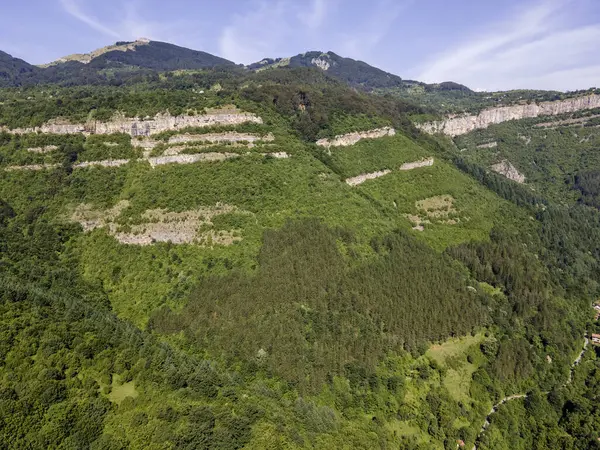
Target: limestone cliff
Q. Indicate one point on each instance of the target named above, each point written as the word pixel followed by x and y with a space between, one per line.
pixel 353 138
pixel 144 127
pixel 454 126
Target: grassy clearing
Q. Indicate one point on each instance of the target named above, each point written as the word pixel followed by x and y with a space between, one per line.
pixel 477 209
pixel 452 355
pixel 371 155
pixel 120 391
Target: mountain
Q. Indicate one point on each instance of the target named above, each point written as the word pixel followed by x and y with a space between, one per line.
pixel 122 60
pixel 145 54
pixel 13 69
pixel 284 259
pixel 355 73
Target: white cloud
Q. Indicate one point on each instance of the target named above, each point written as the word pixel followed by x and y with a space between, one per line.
pixel 536 48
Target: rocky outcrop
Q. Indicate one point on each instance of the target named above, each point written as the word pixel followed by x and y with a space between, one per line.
pixel 488 145
pixel 454 126
pixel 45 149
pixel 190 159
pixel 105 163
pixel 322 62
pixel 216 138
pixel 144 127
pixel 345 140
pixel 159 225
pixel 415 165
pixel 354 181
pixel 506 169
pixel 154 161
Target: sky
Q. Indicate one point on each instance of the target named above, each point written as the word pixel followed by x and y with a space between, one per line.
pixel 484 44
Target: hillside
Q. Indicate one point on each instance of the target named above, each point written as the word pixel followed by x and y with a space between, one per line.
pixel 228 258
pixel 111 64
pixel 147 54
pixel 356 73
pixel 12 70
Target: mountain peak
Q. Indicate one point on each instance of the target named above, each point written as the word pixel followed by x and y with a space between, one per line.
pixel 86 58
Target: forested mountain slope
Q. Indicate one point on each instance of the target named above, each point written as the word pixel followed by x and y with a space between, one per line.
pixel 272 259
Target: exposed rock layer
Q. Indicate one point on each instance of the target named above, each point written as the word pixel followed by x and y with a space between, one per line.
pixel 354 181
pixel 454 126
pixel 415 165
pixel 352 138
pixel 143 127
pixel 506 169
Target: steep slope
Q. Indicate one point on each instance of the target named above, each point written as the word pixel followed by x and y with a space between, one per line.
pixel 555 155
pixel 278 263
pixel 356 73
pixel 462 124
pixel 12 70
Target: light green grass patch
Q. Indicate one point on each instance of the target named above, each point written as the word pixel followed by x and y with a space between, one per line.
pixel 120 391
pixel 452 354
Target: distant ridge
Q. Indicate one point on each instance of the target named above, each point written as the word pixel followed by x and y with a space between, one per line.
pixel 355 73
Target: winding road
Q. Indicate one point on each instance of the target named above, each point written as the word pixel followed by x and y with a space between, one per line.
pixel 515 396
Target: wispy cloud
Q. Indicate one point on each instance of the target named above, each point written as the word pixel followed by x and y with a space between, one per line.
pixel 535 48
pixel 128 22
pixel 316 14
pixel 73 8
pixel 364 36
pixel 282 27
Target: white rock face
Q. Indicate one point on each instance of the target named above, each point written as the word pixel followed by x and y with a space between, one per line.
pixel 154 161
pixel 345 140
pixel 506 169
pixel 105 163
pixel 414 165
pixel 321 63
pixel 277 155
pixel 488 145
pixel 455 126
pixel 354 181
pixel 144 127
pixel 190 159
pixel 160 225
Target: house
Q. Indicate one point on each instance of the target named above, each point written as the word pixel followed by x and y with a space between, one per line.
pixel 596 339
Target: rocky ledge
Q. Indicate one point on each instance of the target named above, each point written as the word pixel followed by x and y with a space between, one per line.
pixel 454 126
pixel 135 126
pixel 352 138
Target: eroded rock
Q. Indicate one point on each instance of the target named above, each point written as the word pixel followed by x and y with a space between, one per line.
pixel 506 169
pixel 454 126
pixel 144 127
pixel 416 164
pixel 352 138
pixel 160 225
pixel 354 181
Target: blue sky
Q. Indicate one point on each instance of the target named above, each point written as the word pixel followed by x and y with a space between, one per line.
pixel 485 44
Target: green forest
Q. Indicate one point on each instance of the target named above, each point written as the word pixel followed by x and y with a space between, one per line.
pixel 304 311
